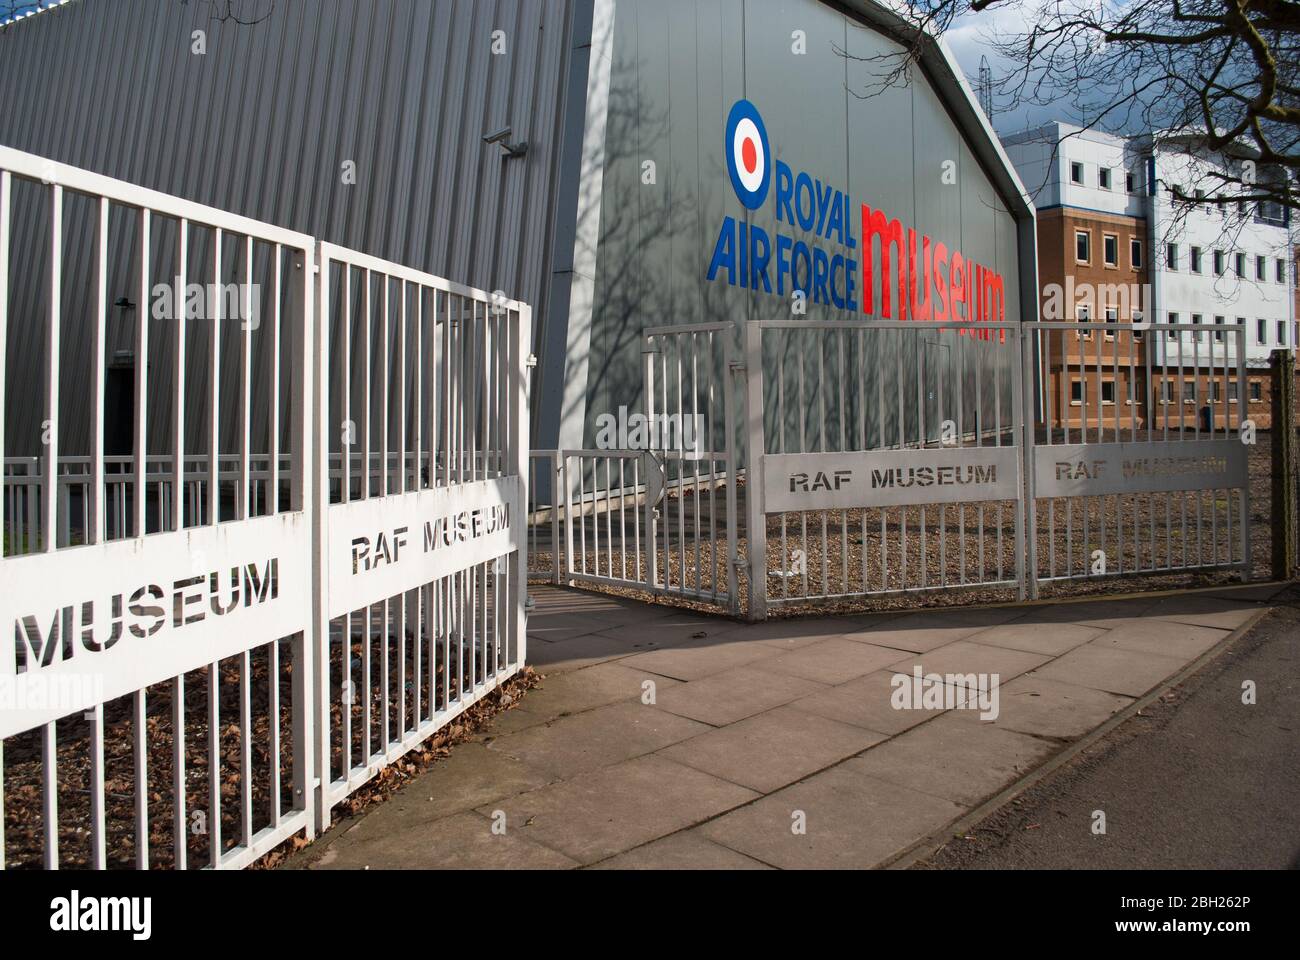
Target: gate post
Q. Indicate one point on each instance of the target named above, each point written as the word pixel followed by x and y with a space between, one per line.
pixel 732 370
pixel 648 352
pixel 756 532
pixel 1028 514
pixel 311 718
pixel 518 447
pixel 1284 490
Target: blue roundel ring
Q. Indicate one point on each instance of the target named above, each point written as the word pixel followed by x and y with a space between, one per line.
pixel 751 198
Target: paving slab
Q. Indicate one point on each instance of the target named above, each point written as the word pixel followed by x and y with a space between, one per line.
pixel 952 758
pixel 733 695
pixel 1048 708
pixel 834 661
pixel 470 776
pixel 1051 640
pixel 965 657
pixel 1165 638
pixel 864 702
pixel 1090 613
pixel 979 616
pixel 793 633
pixel 596 738
pixel 586 650
pixel 697 659
pixel 773 749
pixel 688 850
pixel 607 811
pixel 590 687
pixel 851 820
pixel 1115 670
pixel 461 842
pixel 916 632
pixel 1206 611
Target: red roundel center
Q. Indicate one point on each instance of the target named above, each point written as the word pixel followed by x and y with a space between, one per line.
pixel 749 154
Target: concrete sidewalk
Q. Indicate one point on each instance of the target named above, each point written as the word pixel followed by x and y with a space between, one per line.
pixel 771 745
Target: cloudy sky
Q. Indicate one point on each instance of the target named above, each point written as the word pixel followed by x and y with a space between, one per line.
pixel 969 40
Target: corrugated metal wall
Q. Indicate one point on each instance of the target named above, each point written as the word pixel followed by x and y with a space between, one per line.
pixel 262 123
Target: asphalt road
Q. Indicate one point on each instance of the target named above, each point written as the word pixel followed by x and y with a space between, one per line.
pixel 1196 780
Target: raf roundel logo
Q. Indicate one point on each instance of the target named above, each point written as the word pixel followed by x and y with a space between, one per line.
pixel 748 154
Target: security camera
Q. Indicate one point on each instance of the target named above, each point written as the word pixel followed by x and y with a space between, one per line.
pixel 502 139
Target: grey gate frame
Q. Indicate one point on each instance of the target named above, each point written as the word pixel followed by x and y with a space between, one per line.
pixel 900 457
pixel 1111 492
pixel 878 456
pixel 659 514
pixel 1094 487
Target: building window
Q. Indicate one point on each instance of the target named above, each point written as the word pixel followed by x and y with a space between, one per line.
pixel 1171 255
pixel 1281 333
pixel 1083 314
pixel 1137 324
pixel 1239 265
pixel 1103 178
pixel 1280 271
pixel 1135 253
pixel 1218 331
pixel 1232 391
pixel 1261 268
pixel 1196 259
pixel 1108 392
pixel 1082 246
pixel 1218 263
pixel 1189 391
pixel 1261 330
pixel 1110 249
pixel 1130 182
pixel 1076 173
pixel 1173 318
pixel 1076 392
pixel 1256 391
pixel 1196 321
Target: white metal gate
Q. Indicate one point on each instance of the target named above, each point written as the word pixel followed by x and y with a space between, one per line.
pixel 423 557
pixel 309 558
pixel 160 601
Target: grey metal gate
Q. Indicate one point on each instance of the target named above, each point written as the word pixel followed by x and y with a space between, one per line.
pixel 652 506
pixel 1138 443
pixel 868 459
pixel 884 459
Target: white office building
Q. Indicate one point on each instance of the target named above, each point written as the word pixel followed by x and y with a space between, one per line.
pixel 1215 265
